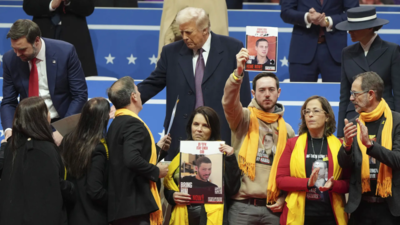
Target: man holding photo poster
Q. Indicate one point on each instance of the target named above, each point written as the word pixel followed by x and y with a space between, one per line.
pixel 258 200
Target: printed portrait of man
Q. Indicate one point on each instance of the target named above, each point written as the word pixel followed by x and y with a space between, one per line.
pixel 262 52
pixel 323 172
pixel 203 167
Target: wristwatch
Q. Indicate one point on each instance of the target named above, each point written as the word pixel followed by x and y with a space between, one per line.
pixel 326 22
pixel 372 144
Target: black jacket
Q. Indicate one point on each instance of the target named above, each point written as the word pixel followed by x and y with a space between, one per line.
pixel 74 28
pixel 91 203
pixel 383 58
pixel 232 175
pixel 353 160
pixel 32 188
pixel 130 172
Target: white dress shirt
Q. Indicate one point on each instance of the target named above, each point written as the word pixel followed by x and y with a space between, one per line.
pixel 206 47
pixel 44 91
pixel 368 45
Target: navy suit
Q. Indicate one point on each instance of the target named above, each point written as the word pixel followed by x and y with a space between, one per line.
pixel 304 43
pixel 66 81
pixel 175 71
pixel 383 58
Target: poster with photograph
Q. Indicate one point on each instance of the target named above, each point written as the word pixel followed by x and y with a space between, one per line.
pixel 201 171
pixel 262 44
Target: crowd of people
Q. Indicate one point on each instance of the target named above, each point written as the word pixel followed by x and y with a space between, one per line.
pixel 113 175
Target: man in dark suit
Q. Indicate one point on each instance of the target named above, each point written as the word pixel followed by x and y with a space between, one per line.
pixel 197 78
pixel 66 20
pixel 315 45
pixel 132 192
pixel 371 148
pixel 371 53
pixel 41 67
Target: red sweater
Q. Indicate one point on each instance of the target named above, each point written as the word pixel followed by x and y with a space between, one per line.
pixel 291 184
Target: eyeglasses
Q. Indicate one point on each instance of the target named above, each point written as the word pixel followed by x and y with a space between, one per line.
pixel 353 93
pixel 313 111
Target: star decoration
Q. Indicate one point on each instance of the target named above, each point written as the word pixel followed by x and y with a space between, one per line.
pixel 153 60
pixel 162 134
pixel 1 58
pixel 1 133
pixel 284 61
pixel 110 59
pixel 131 59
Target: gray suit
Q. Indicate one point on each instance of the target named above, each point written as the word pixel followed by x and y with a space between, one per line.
pixel 384 59
pixel 390 158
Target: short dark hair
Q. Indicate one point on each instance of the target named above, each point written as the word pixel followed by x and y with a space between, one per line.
pixel 261 39
pixel 30 121
pixel 24 28
pixel 201 160
pixel 330 126
pixel 371 81
pixel 212 120
pixel 265 74
pixel 120 92
pixel 377 28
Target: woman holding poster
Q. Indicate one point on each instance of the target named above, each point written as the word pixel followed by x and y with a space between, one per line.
pixel 203 125
pixel 309 171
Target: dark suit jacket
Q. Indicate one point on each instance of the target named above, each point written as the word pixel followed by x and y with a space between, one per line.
pixel 353 160
pixel 74 27
pixel 91 204
pixel 115 3
pixel 130 172
pixel 175 71
pixel 67 84
pixel 383 58
pixel 305 41
pixel 32 188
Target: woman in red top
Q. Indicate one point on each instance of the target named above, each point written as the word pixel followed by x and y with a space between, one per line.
pixel 308 170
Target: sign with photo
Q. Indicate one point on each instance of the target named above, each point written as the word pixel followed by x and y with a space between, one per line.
pixel 262 44
pixel 201 171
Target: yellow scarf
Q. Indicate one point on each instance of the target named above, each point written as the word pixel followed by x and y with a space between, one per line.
pixel 296 201
pixel 179 215
pixel 156 218
pixel 248 151
pixel 384 181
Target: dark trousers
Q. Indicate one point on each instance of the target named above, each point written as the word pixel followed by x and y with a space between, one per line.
pixel 323 64
pixel 373 214
pixel 194 212
pixel 134 220
pixel 319 220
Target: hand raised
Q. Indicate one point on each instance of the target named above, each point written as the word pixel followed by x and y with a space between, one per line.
pixel 350 131
pixel 241 59
pixel 328 185
pixel 364 133
pixel 313 177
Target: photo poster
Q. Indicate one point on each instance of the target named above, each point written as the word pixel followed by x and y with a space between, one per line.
pixel 201 171
pixel 262 44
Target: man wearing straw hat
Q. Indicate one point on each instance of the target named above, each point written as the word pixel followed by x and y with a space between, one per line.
pixel 370 53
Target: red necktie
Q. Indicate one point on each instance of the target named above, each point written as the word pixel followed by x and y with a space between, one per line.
pixel 33 80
